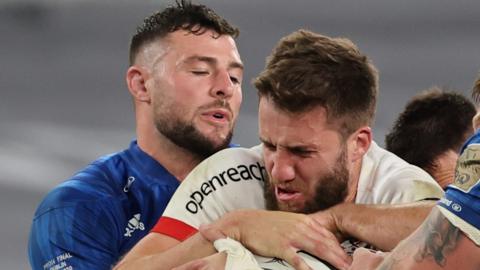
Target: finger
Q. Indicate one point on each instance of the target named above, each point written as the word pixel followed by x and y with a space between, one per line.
pixel 322 243
pixel 291 256
pixel 210 233
pixel 333 254
pixel 339 260
pixel 366 259
pixel 328 248
pixel 361 251
pixel 336 255
pixel 193 265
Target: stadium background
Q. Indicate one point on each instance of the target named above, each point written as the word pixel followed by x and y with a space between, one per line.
pixel 64 102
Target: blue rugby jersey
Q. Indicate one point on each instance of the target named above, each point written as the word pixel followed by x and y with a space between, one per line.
pixel 462 197
pixel 92 219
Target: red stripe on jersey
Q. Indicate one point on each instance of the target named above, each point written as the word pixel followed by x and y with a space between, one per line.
pixel 174 228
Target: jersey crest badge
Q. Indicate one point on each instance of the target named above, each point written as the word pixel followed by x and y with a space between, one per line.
pixel 467 173
pixel 133 225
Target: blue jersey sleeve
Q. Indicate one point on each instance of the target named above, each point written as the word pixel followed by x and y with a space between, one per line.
pixel 77 236
pixel 462 198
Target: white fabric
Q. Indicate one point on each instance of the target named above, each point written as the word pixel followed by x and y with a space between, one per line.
pixel 277 264
pixel 238 257
pixel 387 179
pixel 384 178
pixel 244 194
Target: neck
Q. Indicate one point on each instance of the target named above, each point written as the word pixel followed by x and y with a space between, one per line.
pixel 354 177
pixel 444 168
pixel 176 160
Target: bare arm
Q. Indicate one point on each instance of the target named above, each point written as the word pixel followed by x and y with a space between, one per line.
pixel 437 244
pixel 158 251
pixel 382 226
pixel 280 234
pixel 215 261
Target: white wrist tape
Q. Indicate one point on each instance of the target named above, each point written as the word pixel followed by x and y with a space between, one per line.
pixel 238 257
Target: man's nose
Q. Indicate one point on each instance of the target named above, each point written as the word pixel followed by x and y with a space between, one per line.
pixel 223 86
pixel 283 169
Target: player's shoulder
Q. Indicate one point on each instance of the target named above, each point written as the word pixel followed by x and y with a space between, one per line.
pixel 391 179
pixel 234 155
pixel 232 163
pixel 226 160
pixel 389 164
pixel 467 172
pixel 91 184
pixel 254 152
pixel 472 141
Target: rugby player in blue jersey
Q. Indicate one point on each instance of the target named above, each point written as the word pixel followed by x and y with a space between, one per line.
pixel 185 78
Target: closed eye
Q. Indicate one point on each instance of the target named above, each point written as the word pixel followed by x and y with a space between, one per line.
pixel 269 146
pixel 301 152
pixel 200 72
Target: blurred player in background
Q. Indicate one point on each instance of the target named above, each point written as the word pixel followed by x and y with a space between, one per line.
pixel 445 116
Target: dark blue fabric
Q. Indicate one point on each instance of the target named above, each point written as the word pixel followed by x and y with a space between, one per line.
pixel 92 219
pixel 462 197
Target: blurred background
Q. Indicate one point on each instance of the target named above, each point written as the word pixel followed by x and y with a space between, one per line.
pixel 64 101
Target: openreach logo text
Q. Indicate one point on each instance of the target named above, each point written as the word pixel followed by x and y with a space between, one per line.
pixel 252 172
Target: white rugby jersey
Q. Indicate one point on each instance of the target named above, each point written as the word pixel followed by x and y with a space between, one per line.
pixel 234 179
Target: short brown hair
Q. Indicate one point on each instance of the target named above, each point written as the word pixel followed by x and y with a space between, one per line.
pixel 193 18
pixel 476 91
pixel 306 70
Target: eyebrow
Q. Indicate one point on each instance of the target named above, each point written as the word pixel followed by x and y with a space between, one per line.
pixel 262 140
pixel 307 147
pixel 212 61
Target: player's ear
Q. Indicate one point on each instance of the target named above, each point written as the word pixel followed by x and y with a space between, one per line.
pixel 476 121
pixel 360 141
pixel 136 78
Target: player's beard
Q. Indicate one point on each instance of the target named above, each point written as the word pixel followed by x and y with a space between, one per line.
pixel 184 134
pixel 331 189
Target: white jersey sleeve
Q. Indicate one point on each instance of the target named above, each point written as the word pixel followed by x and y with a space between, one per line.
pixel 230 179
pixel 387 179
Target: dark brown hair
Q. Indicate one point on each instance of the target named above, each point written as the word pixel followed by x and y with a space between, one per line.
pixel 306 70
pixel 432 123
pixel 193 18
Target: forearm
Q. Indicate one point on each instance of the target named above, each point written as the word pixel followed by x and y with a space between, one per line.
pixel 192 248
pixel 436 244
pixel 383 226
